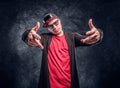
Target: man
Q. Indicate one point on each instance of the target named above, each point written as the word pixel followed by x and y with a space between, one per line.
pixel 58 69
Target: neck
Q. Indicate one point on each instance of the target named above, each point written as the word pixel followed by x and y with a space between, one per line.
pixel 60 34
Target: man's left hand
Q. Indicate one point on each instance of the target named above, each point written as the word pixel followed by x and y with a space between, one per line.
pixel 93 35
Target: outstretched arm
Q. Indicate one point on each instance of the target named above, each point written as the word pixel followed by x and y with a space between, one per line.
pixel 32 38
pixel 93 35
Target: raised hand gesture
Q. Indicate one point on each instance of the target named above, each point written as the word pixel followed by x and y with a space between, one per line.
pixel 34 38
pixel 93 35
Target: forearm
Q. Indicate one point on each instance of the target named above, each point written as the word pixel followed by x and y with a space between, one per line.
pixel 25 36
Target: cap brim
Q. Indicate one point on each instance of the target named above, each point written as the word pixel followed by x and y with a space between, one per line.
pixel 46 23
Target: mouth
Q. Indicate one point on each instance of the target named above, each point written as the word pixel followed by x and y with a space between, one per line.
pixel 56 30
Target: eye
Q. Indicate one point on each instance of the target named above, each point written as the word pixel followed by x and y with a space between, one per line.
pixel 50 26
pixel 56 23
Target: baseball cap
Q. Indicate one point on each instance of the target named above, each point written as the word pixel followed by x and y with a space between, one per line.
pixel 47 18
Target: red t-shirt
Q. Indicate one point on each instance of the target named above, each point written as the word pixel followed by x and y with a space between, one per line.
pixel 59 63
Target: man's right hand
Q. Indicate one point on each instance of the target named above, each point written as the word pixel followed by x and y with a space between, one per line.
pixel 34 38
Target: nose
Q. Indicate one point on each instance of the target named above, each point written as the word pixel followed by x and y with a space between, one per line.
pixel 54 27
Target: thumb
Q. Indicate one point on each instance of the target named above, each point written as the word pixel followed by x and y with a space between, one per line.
pixel 36 27
pixel 90 23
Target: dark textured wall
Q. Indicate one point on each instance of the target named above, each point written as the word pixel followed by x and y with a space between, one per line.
pixel 98 66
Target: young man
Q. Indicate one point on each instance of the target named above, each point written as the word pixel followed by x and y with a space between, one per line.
pixel 58 69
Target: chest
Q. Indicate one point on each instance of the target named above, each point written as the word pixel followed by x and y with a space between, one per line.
pixel 59 43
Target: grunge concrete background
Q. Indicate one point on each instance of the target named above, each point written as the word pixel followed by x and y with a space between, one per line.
pixel 98 66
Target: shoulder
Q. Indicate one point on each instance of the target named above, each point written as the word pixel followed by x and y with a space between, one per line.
pixel 46 34
pixel 70 33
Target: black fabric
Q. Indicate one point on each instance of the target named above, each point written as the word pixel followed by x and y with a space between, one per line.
pixel 25 35
pixel 73 40
pixel 48 16
pixel 44 74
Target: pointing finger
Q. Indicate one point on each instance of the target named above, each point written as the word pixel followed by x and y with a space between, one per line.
pixel 37 26
pixel 36 36
pixel 39 44
pixel 90 32
pixel 90 23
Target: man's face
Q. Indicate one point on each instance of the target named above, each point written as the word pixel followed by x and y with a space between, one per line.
pixel 55 26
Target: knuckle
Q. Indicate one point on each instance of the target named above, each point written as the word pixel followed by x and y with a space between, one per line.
pixel 90 37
